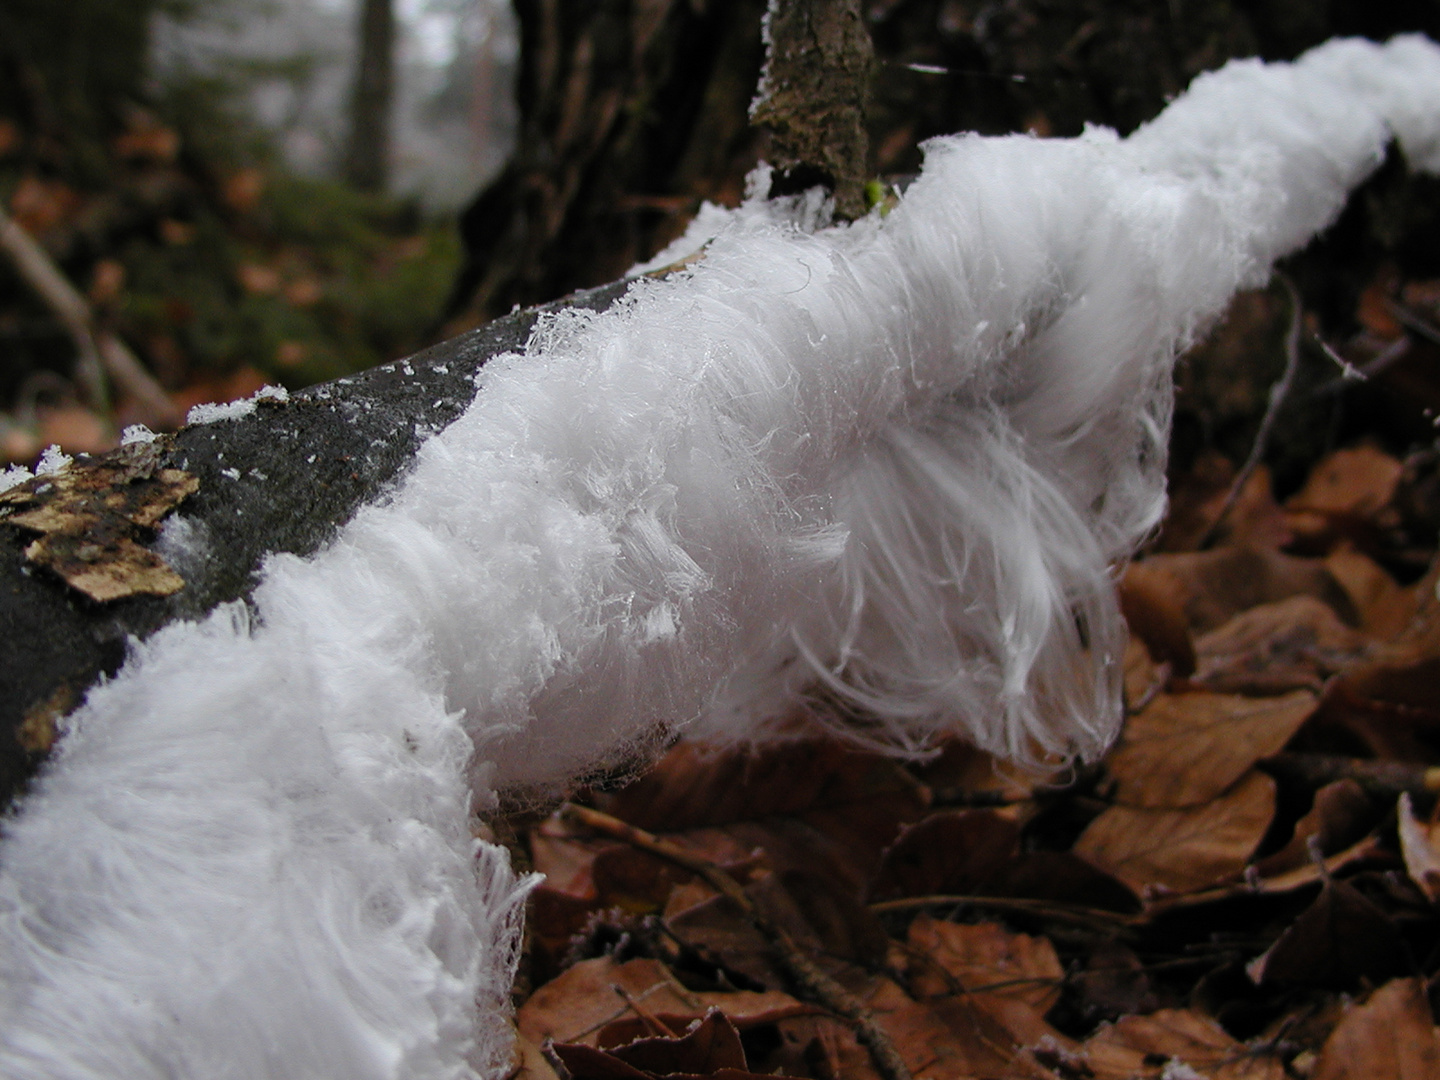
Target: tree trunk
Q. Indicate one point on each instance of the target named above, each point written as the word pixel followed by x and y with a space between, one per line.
pixel 819 64
pixel 633 112
pixel 367 154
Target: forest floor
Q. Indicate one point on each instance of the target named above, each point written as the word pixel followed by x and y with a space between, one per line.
pixel 217 272
pixel 1244 887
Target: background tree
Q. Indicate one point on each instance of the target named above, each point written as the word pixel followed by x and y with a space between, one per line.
pixel 632 113
pixel 367 154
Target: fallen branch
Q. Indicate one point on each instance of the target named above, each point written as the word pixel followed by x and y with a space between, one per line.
pixel 821 987
pixel 280 480
pixel 98 351
pixel 1386 779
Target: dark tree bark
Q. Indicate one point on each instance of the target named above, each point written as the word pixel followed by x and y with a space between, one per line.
pixel 367 152
pixel 630 113
pixel 293 473
pixel 633 112
pixel 813 98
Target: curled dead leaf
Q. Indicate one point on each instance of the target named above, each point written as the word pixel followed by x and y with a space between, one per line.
pixel 1385 608
pixel 1420 846
pixel 1388 699
pixel 578 1005
pixel 1153 603
pixel 1288 645
pixel 710 1047
pixel 1340 815
pixel 1341 938
pixel 1186 849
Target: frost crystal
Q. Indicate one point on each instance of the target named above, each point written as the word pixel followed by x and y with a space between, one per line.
pixel 234 410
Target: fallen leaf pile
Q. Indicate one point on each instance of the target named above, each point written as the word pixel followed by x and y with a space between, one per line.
pixel 1244 888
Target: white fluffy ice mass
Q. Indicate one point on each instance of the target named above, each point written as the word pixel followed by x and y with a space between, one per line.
pixel 896 459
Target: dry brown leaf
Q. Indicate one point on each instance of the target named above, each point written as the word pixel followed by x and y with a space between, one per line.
pixel 553 920
pixel 960 766
pixel 1113 983
pixel 1363 850
pixel 566 860
pixel 846 927
pixel 1341 938
pixel 954 851
pixel 1340 815
pixel 1143 677
pixel 1185 749
pixel 809 804
pixel 1063 877
pixel 1388 698
pixel 529 1062
pixel 1348 489
pixel 1420 846
pixel 987 960
pixel 710 1047
pixel 1155 1045
pixel 576 1005
pixel 1153 604
pixel 1182 850
pixel 633 880
pixel 1392 1036
pixel 1197 498
pixel 1385 608
pixel 695 785
pixel 1288 645
pixel 821 1046
pixel 1217 585
pixel 949 1039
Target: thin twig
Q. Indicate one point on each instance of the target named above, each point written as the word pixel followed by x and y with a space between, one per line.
pixel 1386 779
pixel 1278 393
pixel 797 965
pixel 1414 322
pixel 99 352
pixel 67 305
pixel 1091 918
pixel 547 1051
pixel 649 1019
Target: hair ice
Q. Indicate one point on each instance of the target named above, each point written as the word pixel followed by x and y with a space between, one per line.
pixel 895 461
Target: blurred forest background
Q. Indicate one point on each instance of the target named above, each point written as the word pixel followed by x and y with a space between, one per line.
pixel 202 196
